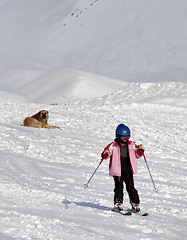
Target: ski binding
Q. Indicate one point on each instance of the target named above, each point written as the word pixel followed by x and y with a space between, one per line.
pixel 123 212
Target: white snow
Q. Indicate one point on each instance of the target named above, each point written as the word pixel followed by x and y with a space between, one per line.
pixel 42 171
pixel 53 86
pixel 128 40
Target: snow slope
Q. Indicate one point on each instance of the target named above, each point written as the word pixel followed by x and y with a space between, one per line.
pixel 53 86
pixel 139 40
pixel 43 171
pixel 52 57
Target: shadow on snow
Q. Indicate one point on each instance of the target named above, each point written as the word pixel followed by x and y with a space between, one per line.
pixel 85 204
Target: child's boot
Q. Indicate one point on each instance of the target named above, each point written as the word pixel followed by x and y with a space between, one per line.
pixel 135 207
pixel 118 205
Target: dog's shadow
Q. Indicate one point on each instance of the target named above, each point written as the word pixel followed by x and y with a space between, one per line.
pixel 85 204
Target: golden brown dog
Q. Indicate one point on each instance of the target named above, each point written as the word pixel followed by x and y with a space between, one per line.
pixel 39 120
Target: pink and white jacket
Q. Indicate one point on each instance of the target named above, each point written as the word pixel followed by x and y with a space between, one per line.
pixel 113 150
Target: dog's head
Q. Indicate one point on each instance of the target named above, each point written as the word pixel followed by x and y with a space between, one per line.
pixel 43 114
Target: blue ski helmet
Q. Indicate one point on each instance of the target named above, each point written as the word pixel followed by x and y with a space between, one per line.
pixel 122 130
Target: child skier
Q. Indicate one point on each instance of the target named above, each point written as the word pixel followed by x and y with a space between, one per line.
pixel 123 165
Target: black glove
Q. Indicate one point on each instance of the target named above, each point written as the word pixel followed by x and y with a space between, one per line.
pixel 104 155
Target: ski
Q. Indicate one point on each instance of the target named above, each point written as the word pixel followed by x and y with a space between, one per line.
pixel 122 212
pixel 129 212
pixel 140 213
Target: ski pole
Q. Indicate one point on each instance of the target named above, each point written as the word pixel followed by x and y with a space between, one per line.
pixel 86 185
pixel 155 189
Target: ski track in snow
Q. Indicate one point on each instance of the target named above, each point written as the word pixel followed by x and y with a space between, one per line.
pixel 43 172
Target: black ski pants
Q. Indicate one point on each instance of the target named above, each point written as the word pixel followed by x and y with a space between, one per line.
pixel 126 177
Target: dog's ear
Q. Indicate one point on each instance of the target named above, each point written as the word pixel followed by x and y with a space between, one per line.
pixel 39 112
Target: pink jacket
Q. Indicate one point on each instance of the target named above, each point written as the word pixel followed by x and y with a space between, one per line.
pixel 115 162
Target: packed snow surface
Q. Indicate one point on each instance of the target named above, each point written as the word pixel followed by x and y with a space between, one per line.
pixel 92 64
pixel 43 171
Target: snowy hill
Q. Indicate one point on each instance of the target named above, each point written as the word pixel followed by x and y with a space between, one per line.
pixel 53 86
pixel 92 64
pixel 57 86
pixel 127 40
pixel 43 171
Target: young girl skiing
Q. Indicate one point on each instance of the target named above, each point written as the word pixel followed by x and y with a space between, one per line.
pixel 123 165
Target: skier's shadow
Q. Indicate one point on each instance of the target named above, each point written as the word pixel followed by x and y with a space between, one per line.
pixel 85 204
